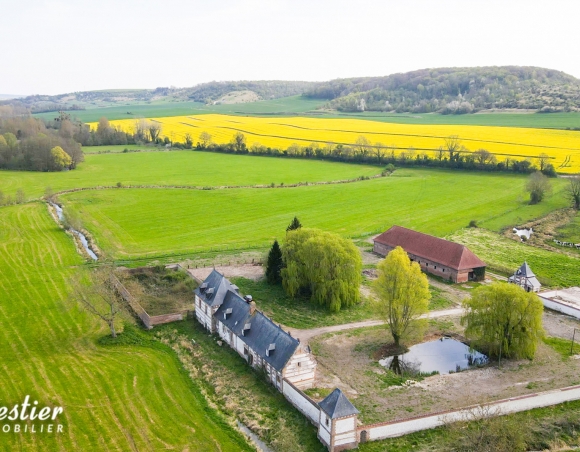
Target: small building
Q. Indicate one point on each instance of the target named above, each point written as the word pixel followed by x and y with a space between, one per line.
pixel 525 278
pixel 439 257
pixel 262 343
pixel 337 427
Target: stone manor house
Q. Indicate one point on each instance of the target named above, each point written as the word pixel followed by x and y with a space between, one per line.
pixel 289 365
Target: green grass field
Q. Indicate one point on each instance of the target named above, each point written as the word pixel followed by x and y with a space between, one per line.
pixel 192 168
pixel 570 232
pixel 297 104
pixel 136 222
pixel 506 255
pixel 115 398
pixel 282 106
pixel 301 313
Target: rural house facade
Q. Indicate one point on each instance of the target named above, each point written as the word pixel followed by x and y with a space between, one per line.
pixel 262 343
pixel 439 257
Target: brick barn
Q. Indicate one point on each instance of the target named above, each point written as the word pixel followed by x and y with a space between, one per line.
pixel 439 257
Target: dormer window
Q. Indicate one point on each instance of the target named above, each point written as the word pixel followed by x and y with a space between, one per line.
pixel 270 349
pixel 246 328
pixel 209 292
pixel 203 287
pixel 227 312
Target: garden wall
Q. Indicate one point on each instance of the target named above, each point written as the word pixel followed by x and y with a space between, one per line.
pixel 506 406
pixel 301 401
pixel 560 307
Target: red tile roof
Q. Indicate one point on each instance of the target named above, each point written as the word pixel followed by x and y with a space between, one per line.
pixel 444 252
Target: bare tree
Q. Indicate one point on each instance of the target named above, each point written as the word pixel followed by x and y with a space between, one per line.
pixel 239 142
pixel 543 160
pixel 379 151
pixel 204 139
pixel 154 129
pixel 188 141
pixel 453 146
pixel 483 156
pixel 140 130
pixel 574 191
pixel 362 145
pixel 99 295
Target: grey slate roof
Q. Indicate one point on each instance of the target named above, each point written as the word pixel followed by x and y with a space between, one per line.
pixel 525 270
pixel 220 286
pixel 262 333
pixel 336 405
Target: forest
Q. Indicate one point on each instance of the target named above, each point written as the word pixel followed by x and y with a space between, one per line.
pixel 454 91
pixel 27 143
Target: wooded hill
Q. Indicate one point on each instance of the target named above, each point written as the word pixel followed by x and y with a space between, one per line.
pixel 454 91
pixel 207 93
pixel 443 90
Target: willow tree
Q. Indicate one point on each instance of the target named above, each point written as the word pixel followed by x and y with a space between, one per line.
pixel 323 264
pixel 402 293
pixel 504 320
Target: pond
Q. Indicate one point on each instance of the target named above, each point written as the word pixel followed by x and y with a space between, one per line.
pixel 443 355
pixel 525 232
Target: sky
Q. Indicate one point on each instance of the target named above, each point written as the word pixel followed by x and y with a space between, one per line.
pixel 59 46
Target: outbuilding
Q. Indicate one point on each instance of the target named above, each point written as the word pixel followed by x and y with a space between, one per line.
pixel 449 260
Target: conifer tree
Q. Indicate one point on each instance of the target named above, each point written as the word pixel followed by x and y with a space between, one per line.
pixel 295 224
pixel 274 264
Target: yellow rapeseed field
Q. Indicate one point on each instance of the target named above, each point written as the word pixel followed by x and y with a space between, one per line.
pixel 562 145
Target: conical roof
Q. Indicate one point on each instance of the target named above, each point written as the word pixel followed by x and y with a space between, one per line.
pixel 525 271
pixel 337 405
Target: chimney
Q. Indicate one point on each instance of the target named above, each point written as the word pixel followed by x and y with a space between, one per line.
pixel 252 307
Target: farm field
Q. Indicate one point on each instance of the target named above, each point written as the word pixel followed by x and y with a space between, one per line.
pixel 115 397
pixel 563 146
pixel 506 255
pixel 290 106
pixel 192 168
pixel 136 222
pixel 282 106
pixel 501 119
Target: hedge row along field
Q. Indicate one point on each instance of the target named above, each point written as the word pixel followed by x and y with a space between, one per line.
pixel 562 145
pixel 115 398
pixel 180 168
pixel 137 222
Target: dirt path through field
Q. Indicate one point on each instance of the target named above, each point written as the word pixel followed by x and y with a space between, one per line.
pixel 306 335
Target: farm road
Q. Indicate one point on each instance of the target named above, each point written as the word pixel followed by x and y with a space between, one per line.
pixel 306 335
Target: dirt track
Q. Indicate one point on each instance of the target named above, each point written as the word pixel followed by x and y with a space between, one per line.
pixel 306 335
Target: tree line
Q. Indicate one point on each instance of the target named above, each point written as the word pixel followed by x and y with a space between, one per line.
pixel 451 154
pixel 27 143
